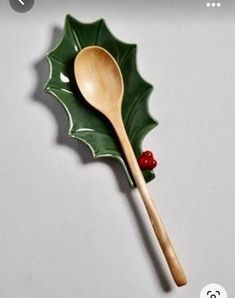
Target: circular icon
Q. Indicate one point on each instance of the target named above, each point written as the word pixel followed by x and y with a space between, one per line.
pixel 21 5
pixel 213 291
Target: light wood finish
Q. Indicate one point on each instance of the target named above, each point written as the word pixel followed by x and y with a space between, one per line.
pixel 100 81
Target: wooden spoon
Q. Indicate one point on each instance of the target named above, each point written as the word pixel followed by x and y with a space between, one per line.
pixel 100 81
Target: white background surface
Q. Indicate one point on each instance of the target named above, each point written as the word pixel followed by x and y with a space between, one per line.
pixel 69 226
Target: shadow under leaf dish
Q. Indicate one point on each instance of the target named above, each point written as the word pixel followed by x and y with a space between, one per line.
pixel 86 124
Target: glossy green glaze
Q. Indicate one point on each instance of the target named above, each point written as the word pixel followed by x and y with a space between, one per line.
pixel 86 124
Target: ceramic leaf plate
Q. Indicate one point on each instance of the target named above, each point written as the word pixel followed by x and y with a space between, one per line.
pixel 86 124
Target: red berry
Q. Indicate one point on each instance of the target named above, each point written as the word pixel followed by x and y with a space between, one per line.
pixel 148 153
pixel 153 164
pixel 143 162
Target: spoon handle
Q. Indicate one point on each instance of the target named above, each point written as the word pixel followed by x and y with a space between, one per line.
pixel 158 227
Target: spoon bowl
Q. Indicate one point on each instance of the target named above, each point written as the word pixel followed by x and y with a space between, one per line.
pixel 99 79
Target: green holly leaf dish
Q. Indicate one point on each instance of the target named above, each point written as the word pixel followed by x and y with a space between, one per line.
pixel 85 123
